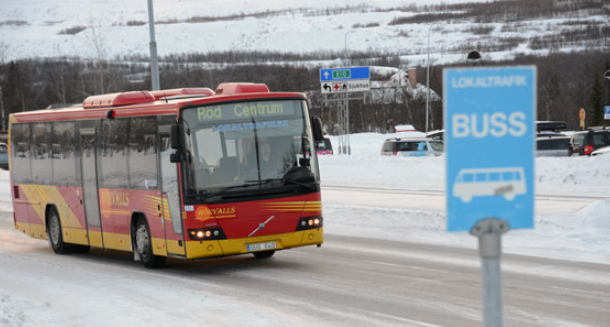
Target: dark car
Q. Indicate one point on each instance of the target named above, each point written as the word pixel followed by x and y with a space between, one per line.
pixel 324 147
pixel 583 143
pixel 3 156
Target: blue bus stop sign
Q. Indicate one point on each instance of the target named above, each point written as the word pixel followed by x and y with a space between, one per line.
pixel 490 116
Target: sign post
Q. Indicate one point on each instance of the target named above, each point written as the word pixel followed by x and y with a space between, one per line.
pixel 607 112
pixel 344 80
pixel 490 116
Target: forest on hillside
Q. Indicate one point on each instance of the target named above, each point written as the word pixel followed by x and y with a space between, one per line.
pixel 566 83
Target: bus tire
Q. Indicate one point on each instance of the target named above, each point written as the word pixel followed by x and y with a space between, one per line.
pixel 143 244
pixel 263 254
pixel 55 234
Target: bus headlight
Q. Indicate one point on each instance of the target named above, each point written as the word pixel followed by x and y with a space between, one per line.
pixel 206 234
pixel 309 223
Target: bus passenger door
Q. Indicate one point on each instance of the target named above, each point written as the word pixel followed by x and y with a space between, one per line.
pixel 90 192
pixel 170 194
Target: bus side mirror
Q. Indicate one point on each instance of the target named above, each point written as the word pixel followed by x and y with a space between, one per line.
pixel 316 126
pixel 176 136
pixel 175 157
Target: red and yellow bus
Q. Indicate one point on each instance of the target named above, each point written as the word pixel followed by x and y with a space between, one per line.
pixel 185 173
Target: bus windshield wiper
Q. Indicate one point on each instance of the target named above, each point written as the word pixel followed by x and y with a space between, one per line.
pixel 305 185
pixel 204 195
pixel 284 181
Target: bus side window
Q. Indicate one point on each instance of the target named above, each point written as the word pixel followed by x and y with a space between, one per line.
pixel 517 175
pixel 142 153
pixel 481 177
pixel 468 178
pixel 21 165
pixel 494 177
pixel 507 176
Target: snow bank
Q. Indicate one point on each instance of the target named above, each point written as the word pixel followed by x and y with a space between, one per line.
pixel 574 176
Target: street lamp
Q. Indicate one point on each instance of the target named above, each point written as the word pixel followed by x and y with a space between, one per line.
pixel 154 66
pixel 345 43
pixel 607 77
pixel 428 80
pixel 474 57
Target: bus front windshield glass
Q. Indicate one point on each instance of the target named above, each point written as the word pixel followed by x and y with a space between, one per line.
pixel 247 145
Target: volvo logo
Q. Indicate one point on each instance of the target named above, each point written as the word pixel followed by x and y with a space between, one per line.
pixel 261 226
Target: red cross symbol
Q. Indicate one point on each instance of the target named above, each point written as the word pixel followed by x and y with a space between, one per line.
pixel 336 87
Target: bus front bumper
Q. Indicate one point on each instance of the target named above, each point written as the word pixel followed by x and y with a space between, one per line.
pixel 207 249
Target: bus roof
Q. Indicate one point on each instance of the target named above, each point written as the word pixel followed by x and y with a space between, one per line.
pixel 162 102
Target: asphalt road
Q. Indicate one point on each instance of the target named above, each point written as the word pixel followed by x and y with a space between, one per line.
pixel 349 281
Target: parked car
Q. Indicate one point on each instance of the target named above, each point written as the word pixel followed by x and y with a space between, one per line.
pixel 584 143
pixel 436 135
pixel 324 147
pixel 552 145
pixel 605 150
pixel 3 156
pixel 412 147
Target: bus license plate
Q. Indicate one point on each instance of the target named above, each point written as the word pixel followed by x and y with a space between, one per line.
pixel 261 246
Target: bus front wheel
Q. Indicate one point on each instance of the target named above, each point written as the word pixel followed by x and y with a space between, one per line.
pixel 54 233
pixel 143 244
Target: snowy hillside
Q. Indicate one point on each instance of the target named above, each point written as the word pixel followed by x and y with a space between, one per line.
pixel 110 28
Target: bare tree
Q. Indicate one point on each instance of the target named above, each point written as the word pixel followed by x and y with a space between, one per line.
pixel 97 38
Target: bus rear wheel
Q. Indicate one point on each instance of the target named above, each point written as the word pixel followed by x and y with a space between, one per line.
pixel 263 254
pixel 143 245
pixel 54 233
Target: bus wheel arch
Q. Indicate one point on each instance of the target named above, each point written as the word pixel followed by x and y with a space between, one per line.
pixel 54 230
pixel 142 242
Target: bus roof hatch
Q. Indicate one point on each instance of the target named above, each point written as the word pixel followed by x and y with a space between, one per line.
pixel 194 91
pixel 237 88
pixel 117 99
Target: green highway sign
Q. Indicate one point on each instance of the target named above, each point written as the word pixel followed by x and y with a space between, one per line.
pixel 342 74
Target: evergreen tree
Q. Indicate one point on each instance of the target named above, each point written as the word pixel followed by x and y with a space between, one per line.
pixel 15 89
pixel 595 113
pixel 607 80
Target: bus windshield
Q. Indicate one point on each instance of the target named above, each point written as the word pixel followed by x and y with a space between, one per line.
pixel 247 145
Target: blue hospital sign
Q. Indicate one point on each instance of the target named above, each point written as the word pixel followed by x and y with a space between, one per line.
pixel 490 130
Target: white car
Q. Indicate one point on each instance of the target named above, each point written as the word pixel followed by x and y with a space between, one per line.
pixel 604 150
pixel 412 147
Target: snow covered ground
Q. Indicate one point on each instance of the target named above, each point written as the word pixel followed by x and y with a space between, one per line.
pixel 568 229
pixel 573 223
pixel 34 28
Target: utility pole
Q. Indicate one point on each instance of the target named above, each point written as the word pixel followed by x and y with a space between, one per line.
pixel 154 66
pixel 428 81
pixel 3 127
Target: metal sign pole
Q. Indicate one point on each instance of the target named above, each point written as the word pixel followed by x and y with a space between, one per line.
pixel 489 232
pixel 341 127
pixel 349 147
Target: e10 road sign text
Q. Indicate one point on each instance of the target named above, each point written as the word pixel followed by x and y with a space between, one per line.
pixel 342 74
